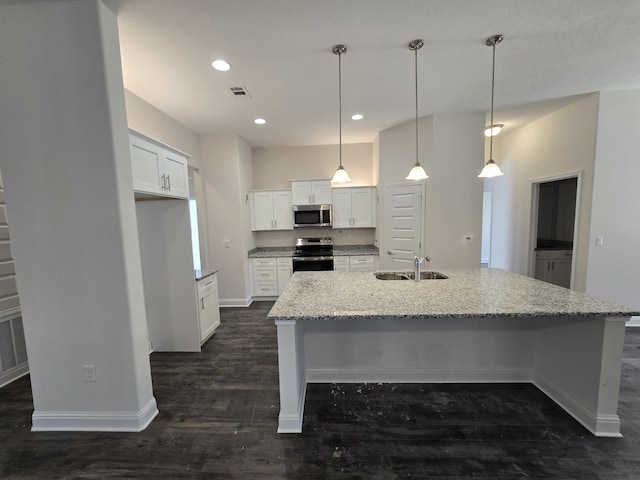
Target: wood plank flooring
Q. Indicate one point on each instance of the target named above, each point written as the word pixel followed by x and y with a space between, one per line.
pixel 218 420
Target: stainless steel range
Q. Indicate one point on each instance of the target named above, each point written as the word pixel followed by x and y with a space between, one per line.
pixel 313 254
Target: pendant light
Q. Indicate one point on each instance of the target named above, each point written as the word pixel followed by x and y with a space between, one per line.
pixel 417 172
pixel 491 169
pixel 341 175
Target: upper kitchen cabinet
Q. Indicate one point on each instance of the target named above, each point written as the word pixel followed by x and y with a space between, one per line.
pixel 354 207
pixel 158 169
pixel 311 192
pixel 271 210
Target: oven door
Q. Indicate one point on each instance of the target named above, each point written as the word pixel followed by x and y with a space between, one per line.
pixel 312 264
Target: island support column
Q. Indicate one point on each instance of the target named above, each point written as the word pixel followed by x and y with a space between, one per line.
pixel 293 384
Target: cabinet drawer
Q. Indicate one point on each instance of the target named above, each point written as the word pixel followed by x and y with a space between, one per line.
pixel 265 289
pixel 340 261
pixel 361 260
pixel 261 274
pixel 264 262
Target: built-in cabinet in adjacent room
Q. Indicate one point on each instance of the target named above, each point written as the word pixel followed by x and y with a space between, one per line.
pixel 555 231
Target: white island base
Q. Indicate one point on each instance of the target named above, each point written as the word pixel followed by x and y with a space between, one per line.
pixel 575 360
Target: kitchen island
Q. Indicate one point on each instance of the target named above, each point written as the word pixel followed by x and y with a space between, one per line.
pixel 479 325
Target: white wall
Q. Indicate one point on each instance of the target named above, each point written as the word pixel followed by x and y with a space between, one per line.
pixel 614 268
pixel 275 167
pixel 148 120
pixel 67 171
pixel 557 144
pixel 450 150
pixel 226 173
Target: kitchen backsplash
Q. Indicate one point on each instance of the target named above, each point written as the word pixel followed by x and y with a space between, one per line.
pixel 287 238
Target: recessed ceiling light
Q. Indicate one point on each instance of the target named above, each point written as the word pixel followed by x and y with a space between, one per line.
pixel 221 65
pixel 260 121
pixel 357 116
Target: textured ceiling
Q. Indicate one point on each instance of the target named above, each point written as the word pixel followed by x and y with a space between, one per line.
pixel 280 50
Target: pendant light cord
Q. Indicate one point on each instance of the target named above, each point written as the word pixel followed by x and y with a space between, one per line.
pixel 416 77
pixel 340 101
pixel 493 80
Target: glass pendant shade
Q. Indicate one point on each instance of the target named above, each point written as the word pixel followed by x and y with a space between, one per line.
pixel 493 130
pixel 417 173
pixel 341 175
pixel 490 170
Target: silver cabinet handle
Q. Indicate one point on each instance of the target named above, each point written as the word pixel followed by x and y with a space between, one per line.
pixel 169 182
pixel 202 303
pixel 390 252
pixel 162 179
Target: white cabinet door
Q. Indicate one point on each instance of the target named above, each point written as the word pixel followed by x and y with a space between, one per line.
pixel 176 174
pixel 264 275
pixel 282 212
pixel 157 170
pixel 271 210
pixel 285 270
pixel 361 263
pixel 341 264
pixel 321 191
pixel 554 266
pixel 362 208
pixel 146 165
pixel 341 207
pixel 209 310
pixel 353 207
pixel 261 211
pixel 312 192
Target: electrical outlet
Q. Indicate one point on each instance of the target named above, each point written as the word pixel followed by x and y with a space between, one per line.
pixel 89 373
pixel 599 241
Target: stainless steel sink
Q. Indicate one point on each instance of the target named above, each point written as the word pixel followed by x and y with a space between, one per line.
pixel 428 275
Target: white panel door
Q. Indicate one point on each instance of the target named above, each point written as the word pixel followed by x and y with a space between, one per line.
pixel 403 213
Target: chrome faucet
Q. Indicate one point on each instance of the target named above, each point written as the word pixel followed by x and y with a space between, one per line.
pixel 417 264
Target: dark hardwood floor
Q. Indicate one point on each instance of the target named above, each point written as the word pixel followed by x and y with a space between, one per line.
pixel 218 419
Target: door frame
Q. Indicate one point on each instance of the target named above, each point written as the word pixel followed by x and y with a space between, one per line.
pixel 533 225
pixel 383 216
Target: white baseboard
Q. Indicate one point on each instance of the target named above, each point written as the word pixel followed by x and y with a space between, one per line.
pixel 445 375
pixel 95 421
pixel 13 374
pixel 235 302
pixel 599 425
pixel 633 322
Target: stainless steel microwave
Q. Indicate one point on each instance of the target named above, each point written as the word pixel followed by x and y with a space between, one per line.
pixel 311 216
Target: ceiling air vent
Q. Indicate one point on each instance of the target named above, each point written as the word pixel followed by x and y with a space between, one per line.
pixel 240 91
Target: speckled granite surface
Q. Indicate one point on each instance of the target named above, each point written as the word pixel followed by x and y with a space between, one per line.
pixel 353 250
pixel 263 252
pixel 202 274
pixel 466 293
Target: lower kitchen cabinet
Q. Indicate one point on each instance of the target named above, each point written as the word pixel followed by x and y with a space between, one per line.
pixel 285 270
pixel 208 308
pixel 264 274
pixel 554 266
pixel 355 263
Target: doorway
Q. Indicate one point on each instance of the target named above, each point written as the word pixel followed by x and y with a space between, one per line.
pixel 554 227
pixel 403 214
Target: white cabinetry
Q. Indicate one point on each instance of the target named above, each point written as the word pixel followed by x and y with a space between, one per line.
pixel 271 210
pixel 355 263
pixel 362 263
pixel 354 207
pixel 270 275
pixel 157 169
pixel 312 192
pixel 285 270
pixel 265 277
pixel 341 264
pixel 554 266
pixel 208 308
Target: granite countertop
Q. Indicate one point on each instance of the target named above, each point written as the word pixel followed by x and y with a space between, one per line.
pixel 353 250
pixel 466 293
pixel 202 274
pixel 262 252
